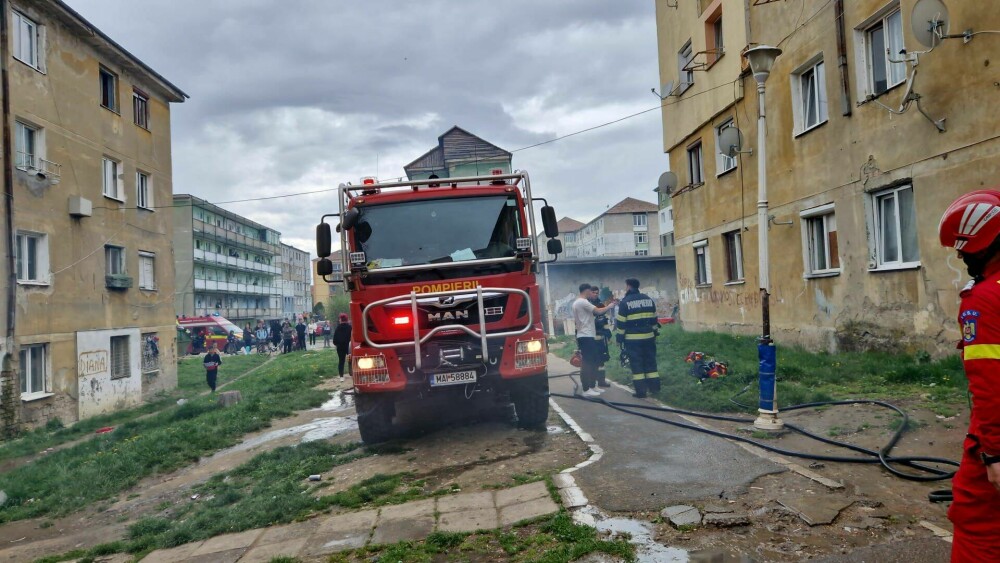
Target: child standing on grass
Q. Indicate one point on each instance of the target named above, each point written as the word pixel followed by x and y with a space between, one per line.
pixel 212 362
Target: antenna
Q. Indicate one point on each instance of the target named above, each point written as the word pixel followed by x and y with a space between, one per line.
pixel 731 142
pixel 667 89
pixel 667 182
pixel 929 22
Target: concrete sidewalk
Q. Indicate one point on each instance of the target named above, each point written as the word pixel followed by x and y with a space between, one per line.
pixel 648 465
pixel 317 537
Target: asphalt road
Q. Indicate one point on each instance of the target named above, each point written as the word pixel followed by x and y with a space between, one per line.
pixel 649 465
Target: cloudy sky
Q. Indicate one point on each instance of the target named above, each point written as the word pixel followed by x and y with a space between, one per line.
pixel 300 95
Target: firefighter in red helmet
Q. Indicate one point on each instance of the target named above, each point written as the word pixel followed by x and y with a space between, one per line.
pixel 971 225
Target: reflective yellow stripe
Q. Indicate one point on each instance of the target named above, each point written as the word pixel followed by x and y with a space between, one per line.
pixel 635 316
pixel 652 374
pixel 638 376
pixel 619 318
pixel 641 336
pixel 982 352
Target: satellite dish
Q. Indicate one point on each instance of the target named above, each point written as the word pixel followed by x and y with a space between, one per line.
pixel 730 141
pixel 929 21
pixel 667 182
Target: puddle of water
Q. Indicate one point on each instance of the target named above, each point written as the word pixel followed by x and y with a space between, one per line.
pixel 318 429
pixel 337 401
pixel 647 549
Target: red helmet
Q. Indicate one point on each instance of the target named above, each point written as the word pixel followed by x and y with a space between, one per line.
pixel 971 222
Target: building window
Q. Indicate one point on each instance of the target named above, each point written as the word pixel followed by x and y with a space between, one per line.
pixel 723 162
pixel 27 146
pixel 147 270
pixel 895 222
pixel 31 257
pixel 883 40
pixel 713 37
pixel 734 256
pixel 114 257
pixel 642 253
pixel 26 41
pixel 143 195
pixel 140 109
pixel 639 220
pixel 686 77
pixel 111 180
pixel 819 232
pixel 642 237
pixel 809 95
pixel 150 352
pixel 109 89
pixel 119 357
pixel 702 263
pixel 34 376
pixel 695 169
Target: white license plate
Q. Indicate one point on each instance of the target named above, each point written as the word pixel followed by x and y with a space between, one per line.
pixel 455 378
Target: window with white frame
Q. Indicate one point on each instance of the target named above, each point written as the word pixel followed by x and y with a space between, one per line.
pixel 723 162
pixel 894 218
pixel 695 169
pixel 734 256
pixel 881 38
pixel 147 270
pixel 639 220
pixel 27 146
pixel 819 241
pixel 686 77
pixel 26 40
pixel 642 237
pixel 809 96
pixel 642 253
pixel 702 263
pixel 109 89
pixel 110 176
pixel 31 257
pixel 114 258
pixel 140 109
pixel 34 373
pixel 120 367
pixel 143 192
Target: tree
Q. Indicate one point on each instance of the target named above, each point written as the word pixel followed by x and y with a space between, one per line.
pixel 319 310
pixel 337 304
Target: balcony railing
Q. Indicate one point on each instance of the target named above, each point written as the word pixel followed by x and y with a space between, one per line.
pixel 233 287
pixel 234 263
pixel 34 164
pixel 218 233
pixel 242 313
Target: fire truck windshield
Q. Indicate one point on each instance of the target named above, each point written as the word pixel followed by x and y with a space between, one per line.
pixel 438 231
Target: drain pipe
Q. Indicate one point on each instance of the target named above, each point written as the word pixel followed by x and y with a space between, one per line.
pixel 845 86
pixel 10 415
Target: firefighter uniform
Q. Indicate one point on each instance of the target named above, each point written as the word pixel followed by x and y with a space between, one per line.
pixel 603 339
pixel 975 511
pixel 636 328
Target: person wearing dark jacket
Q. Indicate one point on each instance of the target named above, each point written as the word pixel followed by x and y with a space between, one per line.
pixel 212 361
pixel 247 339
pixel 603 337
pixel 637 329
pixel 342 340
pixel 287 333
pixel 300 333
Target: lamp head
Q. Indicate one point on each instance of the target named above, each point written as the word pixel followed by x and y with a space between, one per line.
pixel 761 60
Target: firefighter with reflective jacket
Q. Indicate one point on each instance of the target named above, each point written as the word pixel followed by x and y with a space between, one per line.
pixel 603 337
pixel 637 328
pixel 971 225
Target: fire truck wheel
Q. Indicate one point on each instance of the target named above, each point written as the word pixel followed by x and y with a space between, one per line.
pixel 374 417
pixel 531 401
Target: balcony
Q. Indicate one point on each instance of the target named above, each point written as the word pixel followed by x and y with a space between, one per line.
pixel 225 235
pixel 243 313
pixel 234 263
pixel 33 164
pixel 233 287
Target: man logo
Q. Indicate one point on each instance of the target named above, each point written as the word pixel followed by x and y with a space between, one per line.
pixel 447 316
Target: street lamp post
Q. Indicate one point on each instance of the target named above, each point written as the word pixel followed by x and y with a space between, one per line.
pixel 761 60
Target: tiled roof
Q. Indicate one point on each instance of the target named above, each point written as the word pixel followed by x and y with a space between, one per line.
pixel 632 205
pixel 568 225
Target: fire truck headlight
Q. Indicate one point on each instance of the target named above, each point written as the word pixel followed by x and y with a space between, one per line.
pixel 529 347
pixel 366 363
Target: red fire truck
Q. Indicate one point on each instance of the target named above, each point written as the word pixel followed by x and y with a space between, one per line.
pixel 444 297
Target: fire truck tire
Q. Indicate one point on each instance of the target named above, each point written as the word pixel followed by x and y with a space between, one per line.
pixel 374 417
pixel 531 401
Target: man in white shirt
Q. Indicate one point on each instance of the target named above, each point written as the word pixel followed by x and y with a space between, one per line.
pixel 586 332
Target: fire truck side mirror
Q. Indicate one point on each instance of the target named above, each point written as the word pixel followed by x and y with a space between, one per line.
pixel 549 221
pixel 554 246
pixel 323 238
pixel 324 267
pixel 350 219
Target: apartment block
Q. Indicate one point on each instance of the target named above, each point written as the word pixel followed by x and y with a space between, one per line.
pixel 296 293
pixel 226 264
pixel 862 157
pixel 93 324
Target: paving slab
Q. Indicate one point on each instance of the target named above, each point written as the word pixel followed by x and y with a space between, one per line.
pixel 265 553
pixel 403 529
pixel 718 509
pixel 288 532
pixel 681 515
pixel 514 513
pixel 521 494
pixel 725 520
pixel 241 540
pixel 173 554
pixel 337 533
pixel 409 510
pixel 663 464
pixel 816 509
pixel 463 502
pixel 469 520
pixel 228 556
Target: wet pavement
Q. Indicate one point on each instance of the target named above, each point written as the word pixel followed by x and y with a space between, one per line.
pixel 648 465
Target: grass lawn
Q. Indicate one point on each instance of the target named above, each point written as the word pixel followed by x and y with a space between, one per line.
pixel 803 376
pixel 171 438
